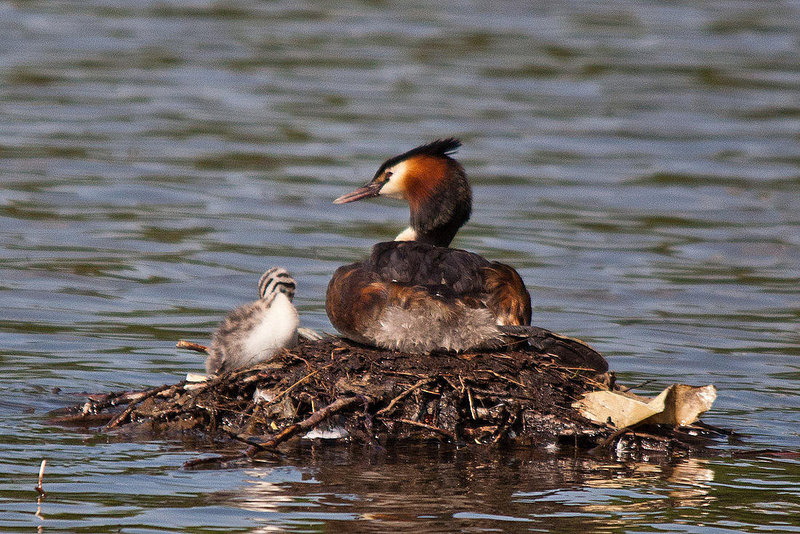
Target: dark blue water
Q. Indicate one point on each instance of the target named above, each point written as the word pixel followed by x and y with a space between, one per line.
pixel 638 162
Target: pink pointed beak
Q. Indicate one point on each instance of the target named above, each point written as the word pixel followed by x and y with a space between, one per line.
pixel 372 189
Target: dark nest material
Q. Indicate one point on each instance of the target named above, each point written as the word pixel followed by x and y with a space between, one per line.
pixel 518 396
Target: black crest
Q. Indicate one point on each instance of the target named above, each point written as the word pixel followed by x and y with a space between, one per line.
pixel 441 147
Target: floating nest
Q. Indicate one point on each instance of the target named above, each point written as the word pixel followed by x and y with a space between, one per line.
pixel 336 388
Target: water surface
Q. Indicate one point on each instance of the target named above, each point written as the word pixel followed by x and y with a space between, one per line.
pixel 639 163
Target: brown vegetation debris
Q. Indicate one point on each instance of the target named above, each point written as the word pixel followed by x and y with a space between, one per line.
pixel 372 396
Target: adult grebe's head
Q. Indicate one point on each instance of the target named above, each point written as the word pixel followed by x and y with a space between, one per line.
pixel 434 185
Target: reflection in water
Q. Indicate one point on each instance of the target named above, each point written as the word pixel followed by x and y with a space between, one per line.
pixel 637 162
pixel 393 490
pixel 363 489
pixel 686 485
pixel 262 492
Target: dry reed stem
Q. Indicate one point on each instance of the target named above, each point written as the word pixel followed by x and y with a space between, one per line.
pixel 151 393
pixel 501 377
pixel 39 488
pixel 305 378
pixel 190 345
pixel 426 426
pixel 403 395
pixel 310 422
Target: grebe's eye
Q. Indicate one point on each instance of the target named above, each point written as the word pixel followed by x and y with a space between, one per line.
pixel 387 174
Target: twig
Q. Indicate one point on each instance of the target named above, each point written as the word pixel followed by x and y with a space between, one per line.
pixel 96 403
pixel 197 462
pixel 108 399
pixel 715 429
pixel 244 438
pixel 471 405
pixel 504 427
pixel 306 424
pixel 402 373
pixel 287 390
pixel 152 393
pixel 449 382
pixel 501 377
pixel 287 352
pixel 82 419
pixel 403 395
pixel 637 386
pixel 598 384
pixel 610 439
pixel 39 488
pixel 190 345
pixel 442 431
pixel 503 395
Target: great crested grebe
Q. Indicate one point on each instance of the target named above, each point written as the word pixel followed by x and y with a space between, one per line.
pixel 414 294
pixel 255 332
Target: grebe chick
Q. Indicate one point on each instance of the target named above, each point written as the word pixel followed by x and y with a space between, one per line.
pixel 255 332
pixel 415 294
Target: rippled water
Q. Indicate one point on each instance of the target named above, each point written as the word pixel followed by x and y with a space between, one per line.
pixel 638 162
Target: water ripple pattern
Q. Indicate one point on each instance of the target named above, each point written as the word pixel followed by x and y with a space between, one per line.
pixel 638 162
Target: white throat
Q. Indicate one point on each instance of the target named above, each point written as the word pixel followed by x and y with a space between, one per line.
pixel 409 234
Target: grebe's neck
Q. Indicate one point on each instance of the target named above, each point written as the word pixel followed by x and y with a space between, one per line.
pixel 437 216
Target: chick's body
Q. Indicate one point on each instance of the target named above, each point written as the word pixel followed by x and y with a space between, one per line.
pixel 255 332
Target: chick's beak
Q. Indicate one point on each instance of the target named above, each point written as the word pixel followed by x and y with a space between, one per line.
pixel 372 189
